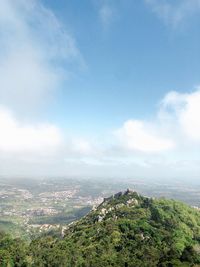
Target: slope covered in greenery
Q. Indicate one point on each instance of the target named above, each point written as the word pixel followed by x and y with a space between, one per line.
pixel 125 230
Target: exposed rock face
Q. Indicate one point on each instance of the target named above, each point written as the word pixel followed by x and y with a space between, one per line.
pixel 132 201
pixel 111 205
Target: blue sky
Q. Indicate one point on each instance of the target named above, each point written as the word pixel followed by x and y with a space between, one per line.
pixel 100 88
pixel 131 62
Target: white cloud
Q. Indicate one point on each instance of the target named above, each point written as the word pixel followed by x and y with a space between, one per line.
pixel 33 47
pixel 166 145
pixel 174 12
pixel 186 108
pixel 27 139
pixel 36 141
pixel 37 54
pixel 141 136
pixel 39 148
pixel 176 125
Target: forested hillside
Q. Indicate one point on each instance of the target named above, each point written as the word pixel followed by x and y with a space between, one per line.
pixel 126 230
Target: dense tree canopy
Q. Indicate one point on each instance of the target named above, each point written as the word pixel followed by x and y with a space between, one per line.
pixel 126 230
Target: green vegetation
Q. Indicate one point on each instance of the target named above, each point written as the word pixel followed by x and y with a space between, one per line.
pixel 13 252
pixel 125 230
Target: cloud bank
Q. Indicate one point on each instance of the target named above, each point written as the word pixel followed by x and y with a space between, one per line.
pixel 176 124
pixel 144 137
pixel 168 142
pixel 17 138
pixel 185 109
pixel 167 145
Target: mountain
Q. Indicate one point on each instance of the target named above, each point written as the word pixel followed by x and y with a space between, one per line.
pixel 126 230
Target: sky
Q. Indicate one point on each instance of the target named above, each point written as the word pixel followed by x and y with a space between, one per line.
pixel 100 88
